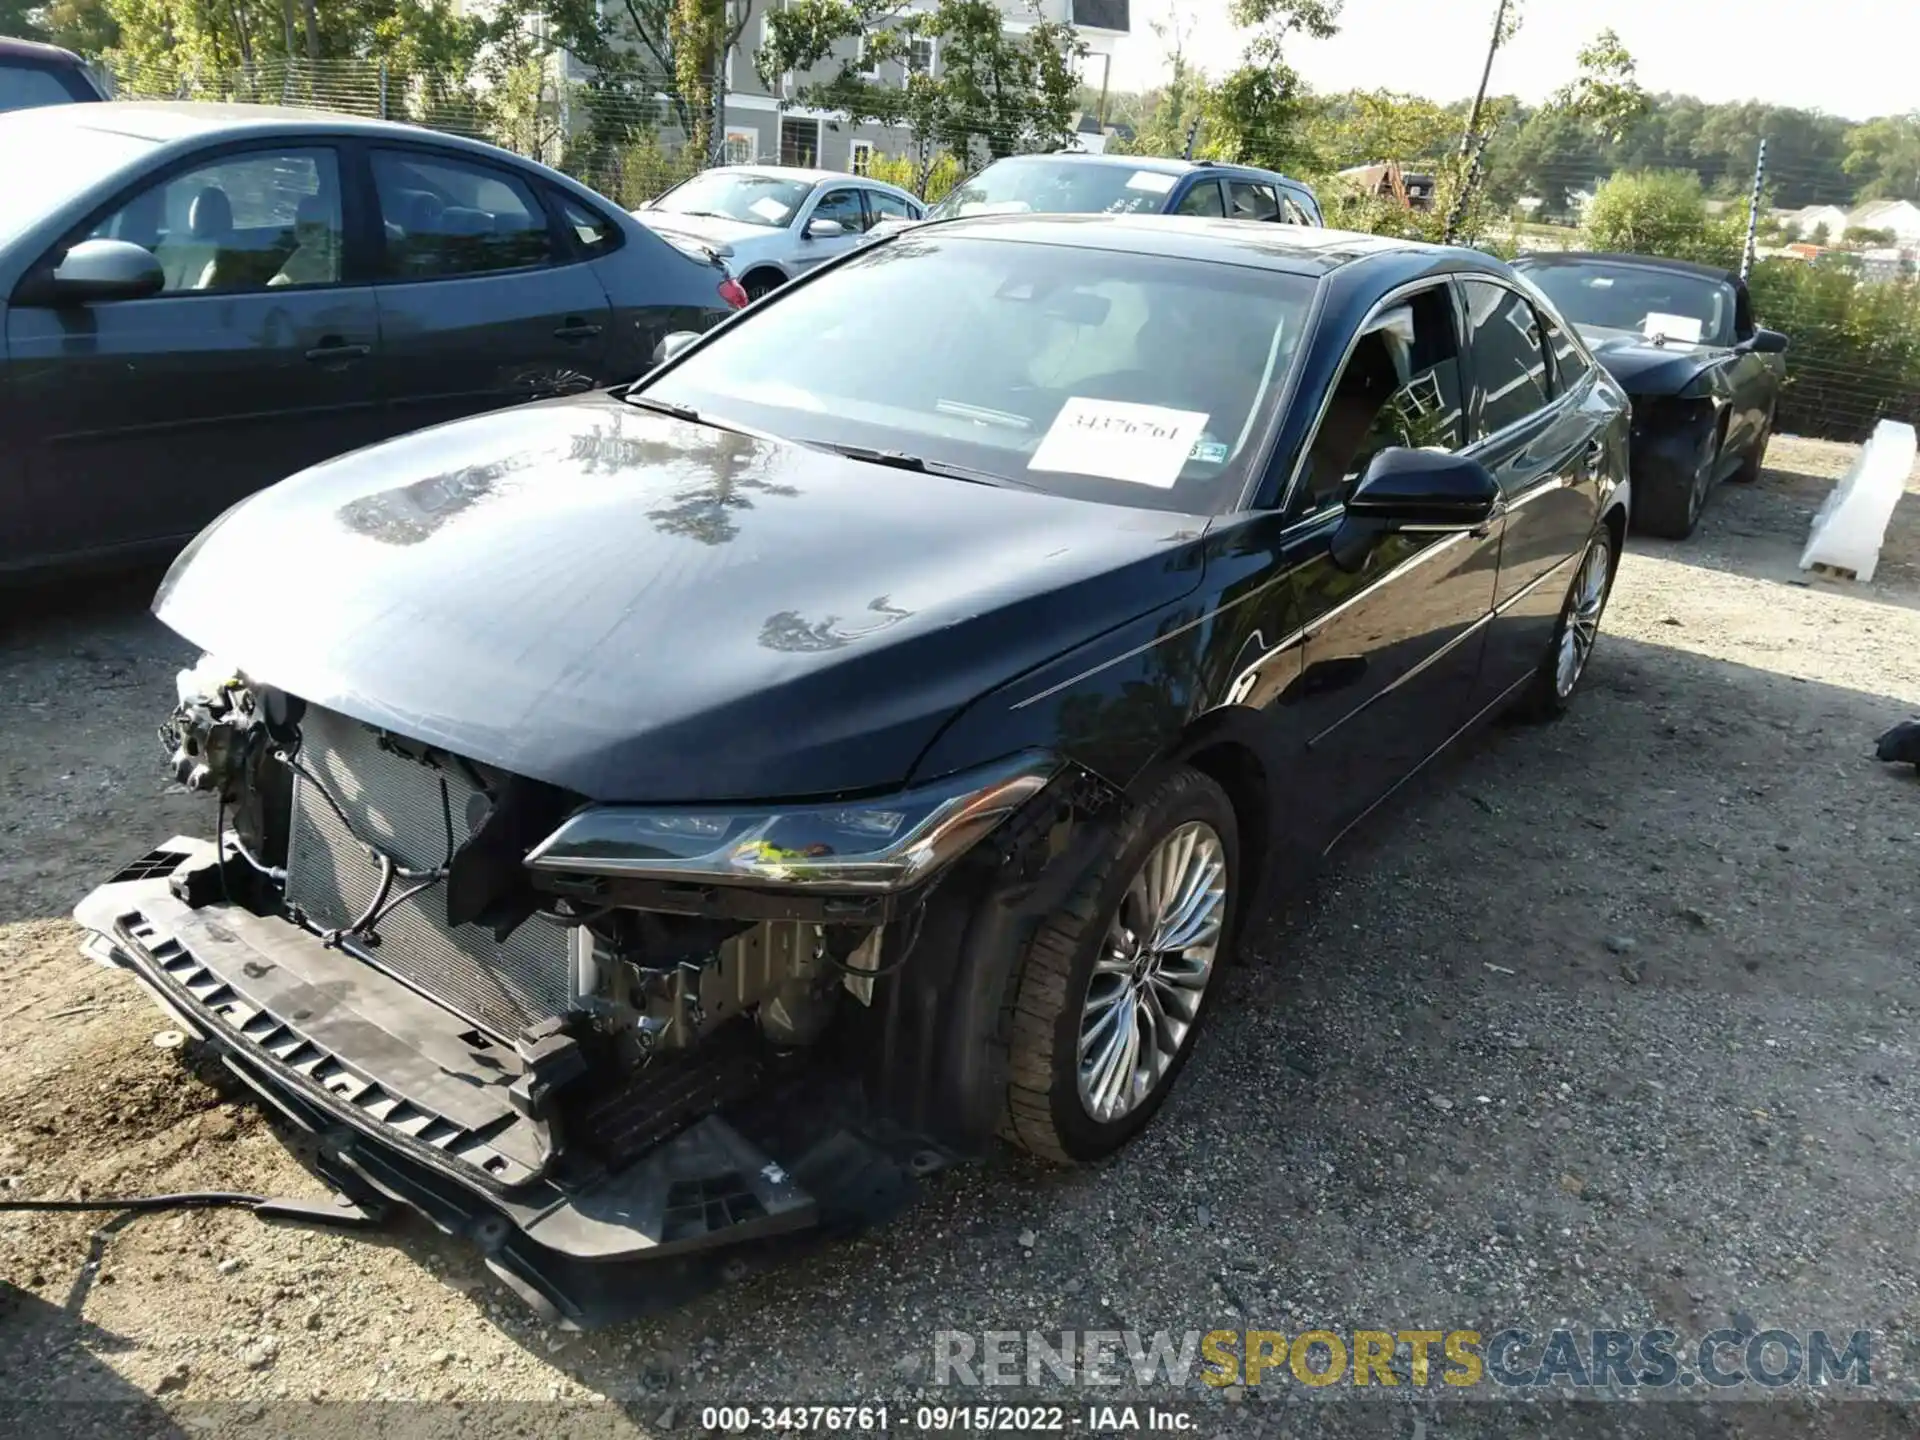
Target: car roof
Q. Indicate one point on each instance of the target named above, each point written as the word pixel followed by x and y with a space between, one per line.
pixel 800 175
pixel 1295 249
pixel 12 49
pixel 165 120
pixel 1612 257
pixel 1155 164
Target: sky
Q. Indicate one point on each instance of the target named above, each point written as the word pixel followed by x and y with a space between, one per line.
pixel 1854 58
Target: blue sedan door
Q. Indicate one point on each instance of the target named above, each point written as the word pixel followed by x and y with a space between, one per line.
pixel 138 421
pixel 1390 646
pixel 482 302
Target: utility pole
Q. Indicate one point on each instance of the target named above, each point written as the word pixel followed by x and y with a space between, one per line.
pixel 1753 210
pixel 1486 75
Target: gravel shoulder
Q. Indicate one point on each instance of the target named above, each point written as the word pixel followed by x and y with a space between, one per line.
pixel 1610 1021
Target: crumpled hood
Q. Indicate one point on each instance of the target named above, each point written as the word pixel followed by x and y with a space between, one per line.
pixel 637 608
pixel 1643 368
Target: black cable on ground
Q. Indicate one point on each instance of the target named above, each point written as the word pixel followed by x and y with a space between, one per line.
pixel 186 1200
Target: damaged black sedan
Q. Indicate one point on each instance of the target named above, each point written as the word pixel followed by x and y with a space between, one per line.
pixel 656 824
pixel 1703 376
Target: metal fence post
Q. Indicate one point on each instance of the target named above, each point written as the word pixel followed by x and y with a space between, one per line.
pixel 383 89
pixel 1753 211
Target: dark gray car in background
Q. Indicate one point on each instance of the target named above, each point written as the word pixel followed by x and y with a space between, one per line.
pixel 32 74
pixel 196 300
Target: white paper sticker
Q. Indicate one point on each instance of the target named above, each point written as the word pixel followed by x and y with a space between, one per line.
pixel 768 208
pixel 1142 444
pixel 996 207
pixel 1151 181
pixel 1675 327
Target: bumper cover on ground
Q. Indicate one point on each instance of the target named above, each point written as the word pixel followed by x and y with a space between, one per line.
pixel 411 1104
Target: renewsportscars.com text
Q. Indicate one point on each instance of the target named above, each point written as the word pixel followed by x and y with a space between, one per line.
pixel 1418 1359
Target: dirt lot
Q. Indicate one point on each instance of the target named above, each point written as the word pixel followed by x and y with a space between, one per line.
pixel 1611 1022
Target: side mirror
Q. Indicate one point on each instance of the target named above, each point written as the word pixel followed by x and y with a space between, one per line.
pixel 106 270
pixel 1766 342
pixel 1428 491
pixel 673 344
pixel 824 229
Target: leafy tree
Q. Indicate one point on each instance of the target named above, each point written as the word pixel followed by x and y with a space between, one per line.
pixel 1605 94
pixel 1884 157
pixel 1662 212
pixel 21 19
pixel 1868 235
pixel 996 89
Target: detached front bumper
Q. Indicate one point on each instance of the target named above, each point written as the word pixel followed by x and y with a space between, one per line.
pixel 411 1104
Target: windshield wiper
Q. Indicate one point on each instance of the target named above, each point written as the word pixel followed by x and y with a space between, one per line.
pixel 901 460
pixel 678 412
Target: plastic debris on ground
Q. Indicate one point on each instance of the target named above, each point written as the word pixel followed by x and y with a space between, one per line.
pixel 1852 523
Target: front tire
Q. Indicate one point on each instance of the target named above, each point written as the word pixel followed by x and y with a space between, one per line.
pixel 1112 989
pixel 1670 507
pixel 1749 470
pixel 1565 663
pixel 761 283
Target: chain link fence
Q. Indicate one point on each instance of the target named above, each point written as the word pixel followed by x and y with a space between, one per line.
pixel 1851 304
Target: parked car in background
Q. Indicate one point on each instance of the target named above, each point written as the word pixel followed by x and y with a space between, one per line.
pixel 199 299
pixel 32 74
pixel 774 779
pixel 769 223
pixel 1704 377
pixel 1082 184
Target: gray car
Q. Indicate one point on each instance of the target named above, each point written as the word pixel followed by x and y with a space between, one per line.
pixel 197 300
pixel 769 223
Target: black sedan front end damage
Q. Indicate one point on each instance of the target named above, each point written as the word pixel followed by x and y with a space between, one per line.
pixel 581 1035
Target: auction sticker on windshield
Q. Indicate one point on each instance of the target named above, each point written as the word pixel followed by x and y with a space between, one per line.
pixel 1115 440
pixel 1150 181
pixel 768 208
pixel 1684 328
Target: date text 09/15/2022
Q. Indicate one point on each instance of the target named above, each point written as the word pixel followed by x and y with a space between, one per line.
pixel 949 1419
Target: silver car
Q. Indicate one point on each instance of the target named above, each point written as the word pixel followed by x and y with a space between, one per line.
pixel 769 223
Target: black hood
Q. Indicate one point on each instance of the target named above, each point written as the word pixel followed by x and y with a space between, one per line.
pixel 637 608
pixel 1643 368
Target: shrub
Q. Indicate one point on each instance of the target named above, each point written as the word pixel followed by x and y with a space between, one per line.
pixel 903 170
pixel 1662 212
pixel 1855 356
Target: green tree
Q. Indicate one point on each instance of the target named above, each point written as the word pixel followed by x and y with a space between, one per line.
pixel 1883 157
pixel 995 90
pixel 1662 212
pixel 1605 95
pixel 21 18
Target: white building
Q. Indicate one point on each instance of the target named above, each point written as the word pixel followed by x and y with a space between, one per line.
pixel 772 126
pixel 1901 218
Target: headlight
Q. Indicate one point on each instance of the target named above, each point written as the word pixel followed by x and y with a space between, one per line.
pixel 865 845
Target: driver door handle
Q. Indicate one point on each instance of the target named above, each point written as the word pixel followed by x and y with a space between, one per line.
pixel 333 348
pixel 575 328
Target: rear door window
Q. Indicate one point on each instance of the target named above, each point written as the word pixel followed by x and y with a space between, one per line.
pixel 445 216
pixel 1252 200
pixel 1509 359
pixel 1202 199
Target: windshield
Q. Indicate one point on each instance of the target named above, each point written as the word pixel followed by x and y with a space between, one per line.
pixel 752 199
pixel 1685 309
pixel 1058 187
pixel 1135 379
pixel 42 168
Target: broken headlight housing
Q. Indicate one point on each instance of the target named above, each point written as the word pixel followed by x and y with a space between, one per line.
pixel 875 846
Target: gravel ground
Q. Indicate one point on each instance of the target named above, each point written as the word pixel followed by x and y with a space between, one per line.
pixel 1608 1023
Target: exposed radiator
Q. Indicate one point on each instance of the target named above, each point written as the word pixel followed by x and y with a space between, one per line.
pixel 394 803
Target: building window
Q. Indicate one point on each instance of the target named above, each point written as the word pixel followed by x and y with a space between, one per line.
pixel 800 142
pixel 868 69
pixel 861 158
pixel 743 147
pixel 922 52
